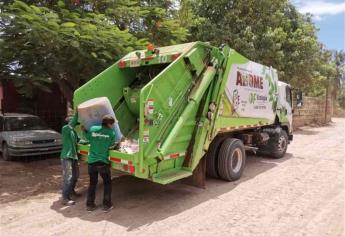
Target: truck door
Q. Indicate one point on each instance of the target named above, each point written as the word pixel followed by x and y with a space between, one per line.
pixel 288 104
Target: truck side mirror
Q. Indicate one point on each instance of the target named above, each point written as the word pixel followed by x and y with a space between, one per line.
pixel 299 99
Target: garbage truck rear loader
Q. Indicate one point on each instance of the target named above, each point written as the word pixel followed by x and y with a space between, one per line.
pixel 192 105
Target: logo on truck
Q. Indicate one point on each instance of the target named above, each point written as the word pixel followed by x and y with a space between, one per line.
pixel 251 90
pixel 236 99
pixel 246 79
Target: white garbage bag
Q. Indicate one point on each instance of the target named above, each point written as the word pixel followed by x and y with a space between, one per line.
pixel 92 111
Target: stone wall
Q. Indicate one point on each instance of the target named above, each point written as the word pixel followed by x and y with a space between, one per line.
pixel 313 112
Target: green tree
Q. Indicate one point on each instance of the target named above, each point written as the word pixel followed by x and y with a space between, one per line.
pixel 68 42
pixel 270 32
pixel 151 20
pixel 339 61
pixel 40 45
pixel 156 21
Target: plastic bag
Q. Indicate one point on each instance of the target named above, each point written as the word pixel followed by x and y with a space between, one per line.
pixel 92 112
pixel 129 146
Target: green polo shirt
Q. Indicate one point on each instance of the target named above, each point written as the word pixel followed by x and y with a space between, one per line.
pixel 101 139
pixel 69 140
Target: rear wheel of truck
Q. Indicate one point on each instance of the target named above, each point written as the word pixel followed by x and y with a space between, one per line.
pixel 231 159
pixel 212 157
pixel 277 145
pixel 5 153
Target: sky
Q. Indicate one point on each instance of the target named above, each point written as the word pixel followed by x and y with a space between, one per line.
pixel 329 17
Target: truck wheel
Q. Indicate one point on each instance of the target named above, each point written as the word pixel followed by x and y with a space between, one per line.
pixel 231 159
pixel 212 157
pixel 278 145
pixel 5 153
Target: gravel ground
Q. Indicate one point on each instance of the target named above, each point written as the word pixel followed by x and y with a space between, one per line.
pixel 300 194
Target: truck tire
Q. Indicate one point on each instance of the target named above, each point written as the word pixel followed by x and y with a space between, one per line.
pixel 231 159
pixel 212 157
pixel 5 153
pixel 277 146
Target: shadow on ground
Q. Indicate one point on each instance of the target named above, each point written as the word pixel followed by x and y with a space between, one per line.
pixel 138 202
pixel 306 132
pixel 309 130
pixel 31 176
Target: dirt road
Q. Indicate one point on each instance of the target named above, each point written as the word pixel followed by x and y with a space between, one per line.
pixel 301 194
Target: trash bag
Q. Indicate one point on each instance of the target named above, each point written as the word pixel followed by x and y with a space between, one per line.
pixel 92 112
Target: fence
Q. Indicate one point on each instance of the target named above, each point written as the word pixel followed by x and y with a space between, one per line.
pixel 314 111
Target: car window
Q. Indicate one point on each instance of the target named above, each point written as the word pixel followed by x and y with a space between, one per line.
pixel 23 123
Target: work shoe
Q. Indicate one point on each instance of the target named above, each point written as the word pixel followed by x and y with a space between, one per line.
pixel 91 208
pixel 107 208
pixel 67 202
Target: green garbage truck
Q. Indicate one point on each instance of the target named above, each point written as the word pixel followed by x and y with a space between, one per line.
pixel 194 109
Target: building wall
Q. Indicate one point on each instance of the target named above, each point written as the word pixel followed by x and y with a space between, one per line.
pixel 313 111
pixel 51 107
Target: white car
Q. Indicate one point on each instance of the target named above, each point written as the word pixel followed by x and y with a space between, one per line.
pixel 24 135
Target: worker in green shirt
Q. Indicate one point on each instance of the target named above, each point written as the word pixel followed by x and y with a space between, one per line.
pixel 101 139
pixel 69 160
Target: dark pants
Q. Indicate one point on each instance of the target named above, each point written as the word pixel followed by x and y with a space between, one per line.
pixel 70 173
pixel 104 171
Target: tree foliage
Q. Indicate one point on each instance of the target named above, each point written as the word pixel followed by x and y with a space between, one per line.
pixel 68 42
pixel 272 33
pixel 41 44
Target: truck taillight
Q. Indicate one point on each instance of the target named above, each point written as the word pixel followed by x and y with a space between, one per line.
pixel 174 56
pixel 121 64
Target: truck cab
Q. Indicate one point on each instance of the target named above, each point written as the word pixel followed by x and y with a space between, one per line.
pixel 284 107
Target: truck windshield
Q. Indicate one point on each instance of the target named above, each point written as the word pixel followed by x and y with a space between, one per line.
pixel 23 123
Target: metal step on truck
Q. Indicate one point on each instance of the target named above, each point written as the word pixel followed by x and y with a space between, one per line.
pixel 194 109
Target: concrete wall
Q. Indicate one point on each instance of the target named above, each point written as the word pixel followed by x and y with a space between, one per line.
pixel 313 112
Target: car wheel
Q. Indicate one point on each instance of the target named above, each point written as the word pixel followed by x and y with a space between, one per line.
pixel 5 153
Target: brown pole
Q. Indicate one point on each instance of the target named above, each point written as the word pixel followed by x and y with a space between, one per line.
pixel 326 105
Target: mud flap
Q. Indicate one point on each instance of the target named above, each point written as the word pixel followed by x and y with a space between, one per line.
pixel 198 179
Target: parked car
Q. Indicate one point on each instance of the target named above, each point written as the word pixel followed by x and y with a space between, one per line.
pixel 26 135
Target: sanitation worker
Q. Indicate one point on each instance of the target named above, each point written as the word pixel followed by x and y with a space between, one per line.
pixel 69 161
pixel 101 139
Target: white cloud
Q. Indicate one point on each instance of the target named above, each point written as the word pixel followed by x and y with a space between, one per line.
pixel 317 18
pixel 320 8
